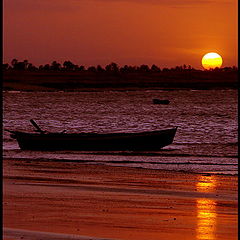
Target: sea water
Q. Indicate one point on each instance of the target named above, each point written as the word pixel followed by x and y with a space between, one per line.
pixel 205 142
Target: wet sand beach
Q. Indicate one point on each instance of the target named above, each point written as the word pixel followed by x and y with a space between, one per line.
pixel 67 200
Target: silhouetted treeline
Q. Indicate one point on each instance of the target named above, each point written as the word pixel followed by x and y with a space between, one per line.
pixel 110 68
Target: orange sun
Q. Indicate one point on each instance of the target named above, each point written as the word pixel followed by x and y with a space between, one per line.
pixel 211 60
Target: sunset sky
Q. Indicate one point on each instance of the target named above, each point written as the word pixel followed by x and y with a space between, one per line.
pixel 133 32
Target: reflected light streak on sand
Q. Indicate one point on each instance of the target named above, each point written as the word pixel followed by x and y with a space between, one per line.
pixel 206 210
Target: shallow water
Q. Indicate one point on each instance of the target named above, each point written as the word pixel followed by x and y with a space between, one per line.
pixel 206 139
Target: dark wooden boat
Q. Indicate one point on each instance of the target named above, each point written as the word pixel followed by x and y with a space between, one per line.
pixel 159 101
pixel 42 140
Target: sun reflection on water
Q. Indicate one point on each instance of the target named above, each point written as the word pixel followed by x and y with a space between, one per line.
pixel 206 209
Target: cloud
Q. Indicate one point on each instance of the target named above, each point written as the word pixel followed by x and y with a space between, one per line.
pixel 63 5
pixel 170 3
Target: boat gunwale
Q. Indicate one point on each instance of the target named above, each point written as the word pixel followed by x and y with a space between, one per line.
pixel 92 134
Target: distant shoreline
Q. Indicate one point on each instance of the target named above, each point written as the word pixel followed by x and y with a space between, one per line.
pixel 112 90
pixel 52 81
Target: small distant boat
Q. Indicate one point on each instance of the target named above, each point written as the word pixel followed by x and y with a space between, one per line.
pixel 149 140
pixel 159 101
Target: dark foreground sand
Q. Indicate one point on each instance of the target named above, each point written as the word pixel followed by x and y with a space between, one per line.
pixel 58 200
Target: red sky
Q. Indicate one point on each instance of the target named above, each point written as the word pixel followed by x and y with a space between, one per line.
pixel 133 32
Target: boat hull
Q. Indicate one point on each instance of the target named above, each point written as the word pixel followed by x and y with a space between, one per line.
pixel 92 141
